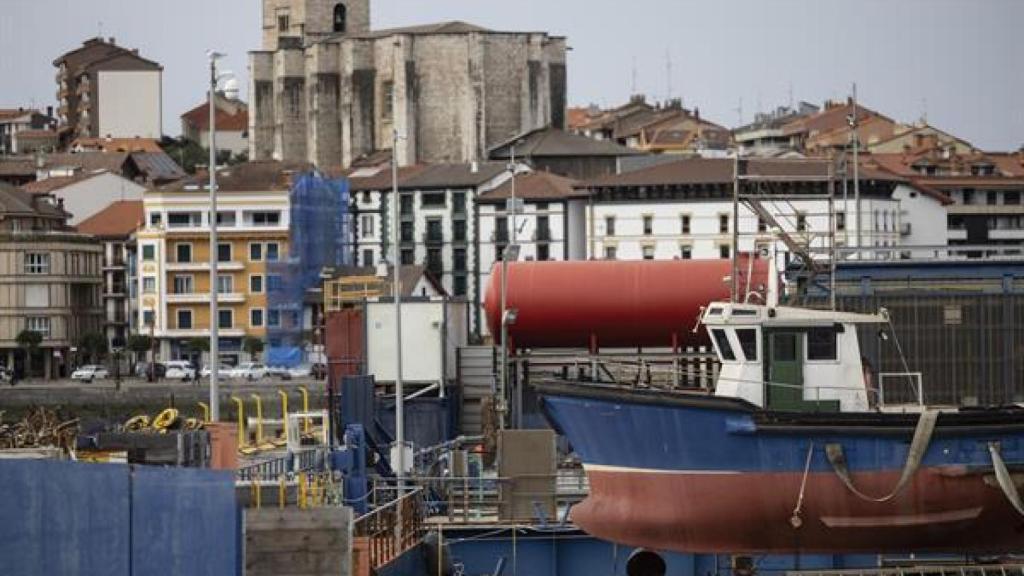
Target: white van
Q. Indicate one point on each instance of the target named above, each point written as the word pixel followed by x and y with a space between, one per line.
pixel 179 370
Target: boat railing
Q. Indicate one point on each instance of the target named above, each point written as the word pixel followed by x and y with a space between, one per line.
pixel 913 394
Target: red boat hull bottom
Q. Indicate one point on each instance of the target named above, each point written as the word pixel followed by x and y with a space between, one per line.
pixel 940 510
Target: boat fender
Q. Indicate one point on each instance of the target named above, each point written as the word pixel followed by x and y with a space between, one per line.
pixel 918 447
pixel 1004 479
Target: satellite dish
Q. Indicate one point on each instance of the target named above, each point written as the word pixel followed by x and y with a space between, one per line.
pixel 231 88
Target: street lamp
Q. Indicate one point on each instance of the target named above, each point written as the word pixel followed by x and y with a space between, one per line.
pixel 511 252
pixel 214 320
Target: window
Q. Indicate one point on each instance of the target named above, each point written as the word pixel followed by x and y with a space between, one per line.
pixel 459 202
pixel 543 252
pixel 543 229
pixel 609 225
pixel 609 252
pixel 408 256
pixel 686 252
pixel 723 223
pixel 405 231
pixel 226 219
pixel 40 324
pixel 149 285
pixel 183 253
pixel 405 207
pixel 459 231
pixel 225 319
pixel 434 233
pixel 225 284
pixel 155 218
pixel 184 219
pixel 265 218
pixel 762 225
pixel 366 226
pixel 183 284
pixel 223 252
pixel 282 23
pixel 648 252
pixel 256 284
pixel 255 252
pixel 648 225
pixel 273 318
pixel 368 259
pixel 722 341
pixel 340 18
pixel 387 97
pixel 724 251
pixel 748 342
pixel 1012 198
pixel 501 229
pixel 37 263
pixel 840 221
pixel 542 206
pixel 821 344
pixel 499 252
pixel 274 282
pixel 801 222
pixel 878 220
pixel 684 222
pixel 256 317
pixel 148 252
pixel 148 318
pixel 273 251
pixel 433 200
pixel 184 319
pixel 459 259
pixel 460 285
pixel 968 195
pixel 991 199
pixel 434 262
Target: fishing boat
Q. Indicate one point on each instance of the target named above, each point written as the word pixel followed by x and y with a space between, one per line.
pixel 796 449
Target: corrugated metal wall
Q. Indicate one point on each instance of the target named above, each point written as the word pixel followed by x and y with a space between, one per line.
pixel 969 348
pixel 73 519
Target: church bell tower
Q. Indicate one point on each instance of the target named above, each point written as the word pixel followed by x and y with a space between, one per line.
pixel 312 20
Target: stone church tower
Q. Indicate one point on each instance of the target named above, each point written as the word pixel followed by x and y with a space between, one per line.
pixel 312 20
pixel 328 90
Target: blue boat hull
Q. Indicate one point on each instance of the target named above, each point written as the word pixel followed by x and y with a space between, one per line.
pixel 705 474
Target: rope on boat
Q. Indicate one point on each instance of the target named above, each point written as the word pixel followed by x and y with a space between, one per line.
pixel 918 446
pixel 1004 479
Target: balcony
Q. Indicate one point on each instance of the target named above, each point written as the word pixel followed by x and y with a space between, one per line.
pixel 204 266
pixel 203 297
pixel 114 265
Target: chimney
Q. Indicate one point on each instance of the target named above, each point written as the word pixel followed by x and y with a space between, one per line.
pixel 474 167
pixel 49 111
pixel 112 40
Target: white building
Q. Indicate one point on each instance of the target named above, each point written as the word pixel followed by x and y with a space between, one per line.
pixel 85 193
pixel 438 223
pixel 685 210
pixel 232 123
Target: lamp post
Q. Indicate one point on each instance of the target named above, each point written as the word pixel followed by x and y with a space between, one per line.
pixel 511 252
pixel 214 320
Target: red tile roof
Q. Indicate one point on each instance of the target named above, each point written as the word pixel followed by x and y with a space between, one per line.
pixel 536 186
pixel 52 184
pixel 199 118
pixel 117 220
pixel 117 144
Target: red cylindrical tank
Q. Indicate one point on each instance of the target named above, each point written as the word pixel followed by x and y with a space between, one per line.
pixel 612 304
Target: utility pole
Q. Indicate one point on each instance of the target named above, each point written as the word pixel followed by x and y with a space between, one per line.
pixel 854 123
pixel 509 249
pixel 396 293
pixel 214 252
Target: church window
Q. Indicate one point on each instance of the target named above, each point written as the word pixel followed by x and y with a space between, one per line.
pixel 283 23
pixel 340 18
pixel 388 100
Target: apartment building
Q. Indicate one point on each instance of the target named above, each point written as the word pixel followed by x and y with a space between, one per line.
pixel 438 224
pixel 174 257
pixel 107 90
pixel 115 227
pixel 685 210
pixel 50 282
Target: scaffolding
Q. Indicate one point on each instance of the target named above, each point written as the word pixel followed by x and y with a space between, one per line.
pixel 320 237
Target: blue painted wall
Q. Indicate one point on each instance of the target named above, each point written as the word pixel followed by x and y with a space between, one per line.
pixel 74 519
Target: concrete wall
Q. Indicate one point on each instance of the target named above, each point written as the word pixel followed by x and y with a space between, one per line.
pixel 294 541
pixel 130 104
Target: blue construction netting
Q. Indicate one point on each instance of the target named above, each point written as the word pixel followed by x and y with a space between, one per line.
pixel 319 237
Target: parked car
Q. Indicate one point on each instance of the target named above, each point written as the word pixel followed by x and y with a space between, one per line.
pixel 89 372
pixel 179 370
pixel 250 371
pixel 281 372
pixel 223 370
pixel 285 373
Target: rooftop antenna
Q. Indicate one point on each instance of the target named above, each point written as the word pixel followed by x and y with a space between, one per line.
pixel 739 112
pixel 633 88
pixel 668 75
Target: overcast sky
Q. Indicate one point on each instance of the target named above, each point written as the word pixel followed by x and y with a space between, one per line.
pixel 960 62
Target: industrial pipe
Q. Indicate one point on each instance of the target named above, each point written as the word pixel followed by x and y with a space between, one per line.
pixel 259 419
pixel 284 414
pixel 242 432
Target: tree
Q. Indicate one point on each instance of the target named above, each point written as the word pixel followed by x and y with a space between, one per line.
pixel 94 346
pixel 29 340
pixel 139 344
pixel 252 345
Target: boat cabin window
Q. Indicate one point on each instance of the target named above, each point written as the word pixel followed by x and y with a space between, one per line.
pixel 722 341
pixel 821 344
pixel 748 342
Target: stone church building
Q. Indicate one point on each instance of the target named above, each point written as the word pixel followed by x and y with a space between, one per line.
pixel 328 90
